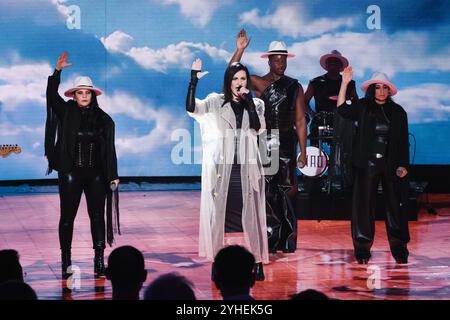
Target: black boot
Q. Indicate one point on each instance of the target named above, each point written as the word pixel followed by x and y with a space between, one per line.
pixel 259 272
pixel 99 264
pixel 66 262
pixel 363 258
pixel 400 254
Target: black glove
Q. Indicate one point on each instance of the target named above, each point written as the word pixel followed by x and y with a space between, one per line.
pixel 190 98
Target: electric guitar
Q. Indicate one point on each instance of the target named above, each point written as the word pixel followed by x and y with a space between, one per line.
pixel 7 149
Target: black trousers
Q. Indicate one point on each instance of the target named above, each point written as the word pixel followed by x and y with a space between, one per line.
pixel 280 212
pixel 363 211
pixel 71 186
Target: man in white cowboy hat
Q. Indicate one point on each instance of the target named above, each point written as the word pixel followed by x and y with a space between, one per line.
pixel 325 89
pixel 285 119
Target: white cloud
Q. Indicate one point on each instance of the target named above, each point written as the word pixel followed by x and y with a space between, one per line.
pixel 425 103
pixel 23 83
pixel 19 130
pixel 174 55
pixel 178 55
pixel 200 12
pixel 117 41
pixel 367 52
pixel 163 123
pixel 290 20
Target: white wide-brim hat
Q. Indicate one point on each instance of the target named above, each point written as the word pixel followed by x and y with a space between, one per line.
pixel 379 77
pixel 82 83
pixel 277 47
pixel 333 54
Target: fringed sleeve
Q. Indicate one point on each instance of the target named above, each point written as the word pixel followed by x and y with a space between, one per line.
pixel 55 112
pixel 112 216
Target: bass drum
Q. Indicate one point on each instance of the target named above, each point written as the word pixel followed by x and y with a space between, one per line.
pixel 317 164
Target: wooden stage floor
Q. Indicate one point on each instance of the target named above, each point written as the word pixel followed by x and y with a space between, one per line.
pixel 164 225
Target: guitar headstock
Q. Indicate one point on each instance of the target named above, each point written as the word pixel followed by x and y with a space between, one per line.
pixel 7 149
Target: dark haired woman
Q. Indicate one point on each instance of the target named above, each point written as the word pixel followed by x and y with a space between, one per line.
pixel 85 157
pixel 232 196
pixel 381 152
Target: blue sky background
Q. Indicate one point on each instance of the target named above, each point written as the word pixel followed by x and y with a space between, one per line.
pixel 140 53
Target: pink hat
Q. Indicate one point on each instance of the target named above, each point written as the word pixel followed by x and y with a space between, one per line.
pixel 333 54
pixel 277 47
pixel 379 77
pixel 82 83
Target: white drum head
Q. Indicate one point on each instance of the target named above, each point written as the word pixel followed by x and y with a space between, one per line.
pixel 317 162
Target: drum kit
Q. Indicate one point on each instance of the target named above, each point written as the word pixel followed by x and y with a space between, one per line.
pixel 321 139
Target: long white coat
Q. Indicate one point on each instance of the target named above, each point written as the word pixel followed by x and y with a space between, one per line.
pixel 218 131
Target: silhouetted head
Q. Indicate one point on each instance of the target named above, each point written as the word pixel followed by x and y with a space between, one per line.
pixel 309 294
pixel 126 269
pixel 233 270
pixel 170 286
pixel 16 290
pixel 10 268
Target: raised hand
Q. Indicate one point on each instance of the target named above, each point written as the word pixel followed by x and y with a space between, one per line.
pixel 242 41
pixel 61 63
pixel 197 66
pixel 347 75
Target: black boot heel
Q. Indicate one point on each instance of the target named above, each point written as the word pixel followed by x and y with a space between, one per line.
pixel 259 272
pixel 66 263
pixel 99 263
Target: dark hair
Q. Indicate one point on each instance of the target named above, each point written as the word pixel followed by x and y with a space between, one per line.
pixel 170 286
pixel 228 77
pixel 126 267
pixel 370 95
pixel 10 268
pixel 233 268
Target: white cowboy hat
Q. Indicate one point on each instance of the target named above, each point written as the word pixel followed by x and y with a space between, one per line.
pixel 379 77
pixel 82 83
pixel 333 54
pixel 277 47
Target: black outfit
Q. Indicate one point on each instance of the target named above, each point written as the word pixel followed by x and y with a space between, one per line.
pixel 233 212
pixel 381 146
pixel 84 156
pixel 343 129
pixel 280 99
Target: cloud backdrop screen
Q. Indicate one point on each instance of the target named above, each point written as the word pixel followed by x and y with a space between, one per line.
pixel 140 52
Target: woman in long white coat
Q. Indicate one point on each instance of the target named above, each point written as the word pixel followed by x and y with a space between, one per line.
pixel 232 195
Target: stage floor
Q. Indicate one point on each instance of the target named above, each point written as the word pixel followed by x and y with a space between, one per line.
pixel 164 226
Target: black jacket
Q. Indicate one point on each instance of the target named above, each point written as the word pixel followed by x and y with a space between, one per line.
pixel 64 117
pixel 398 148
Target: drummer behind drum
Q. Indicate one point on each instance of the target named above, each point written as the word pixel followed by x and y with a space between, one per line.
pixel 325 90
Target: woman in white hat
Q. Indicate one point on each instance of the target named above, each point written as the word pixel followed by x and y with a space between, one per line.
pixel 85 157
pixel 381 152
pixel 232 205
